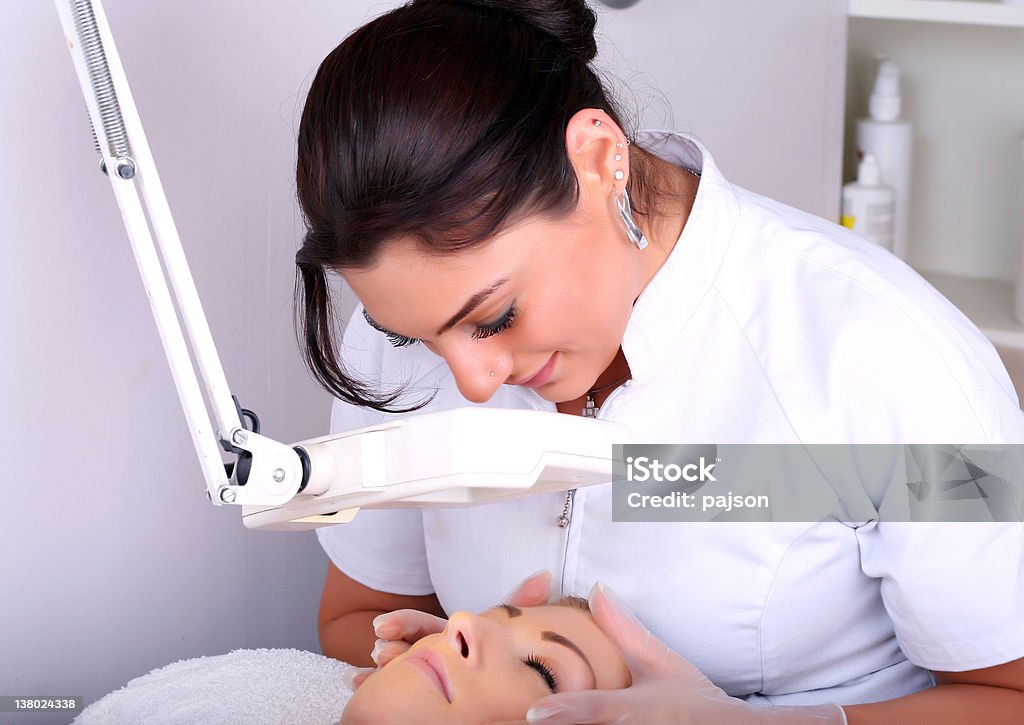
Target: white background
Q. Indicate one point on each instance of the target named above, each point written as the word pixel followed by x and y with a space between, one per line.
pixel 112 562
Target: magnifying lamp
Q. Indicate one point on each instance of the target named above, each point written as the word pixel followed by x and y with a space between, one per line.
pixel 450 458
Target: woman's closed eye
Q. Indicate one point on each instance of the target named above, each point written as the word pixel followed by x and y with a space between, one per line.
pixel 494 328
pixel 394 338
pixel 546 672
pixel 481 332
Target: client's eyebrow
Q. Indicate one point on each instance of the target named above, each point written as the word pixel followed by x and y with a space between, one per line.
pixel 511 611
pixel 566 642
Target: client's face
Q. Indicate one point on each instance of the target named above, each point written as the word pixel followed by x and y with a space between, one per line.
pixel 490 667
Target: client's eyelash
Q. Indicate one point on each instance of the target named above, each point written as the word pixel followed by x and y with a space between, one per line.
pixel 544 671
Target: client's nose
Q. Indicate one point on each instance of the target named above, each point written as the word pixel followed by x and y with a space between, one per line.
pixel 462 635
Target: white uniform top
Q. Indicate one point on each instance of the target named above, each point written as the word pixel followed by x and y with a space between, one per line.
pixel 764 325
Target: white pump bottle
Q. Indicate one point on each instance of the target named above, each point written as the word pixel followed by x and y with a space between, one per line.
pixel 889 139
pixel 868 204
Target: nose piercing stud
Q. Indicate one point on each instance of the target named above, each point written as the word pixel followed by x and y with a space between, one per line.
pixel 492 373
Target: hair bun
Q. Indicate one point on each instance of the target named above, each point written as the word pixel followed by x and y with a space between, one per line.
pixel 571 22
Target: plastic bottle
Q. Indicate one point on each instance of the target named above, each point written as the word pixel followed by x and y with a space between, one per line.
pixel 868 204
pixel 889 139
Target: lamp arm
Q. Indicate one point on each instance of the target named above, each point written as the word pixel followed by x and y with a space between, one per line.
pixel 274 471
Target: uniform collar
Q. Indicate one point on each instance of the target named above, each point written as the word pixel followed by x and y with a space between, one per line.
pixel 673 294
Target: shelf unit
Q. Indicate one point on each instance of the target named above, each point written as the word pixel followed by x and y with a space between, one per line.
pixel 965 12
pixel 987 303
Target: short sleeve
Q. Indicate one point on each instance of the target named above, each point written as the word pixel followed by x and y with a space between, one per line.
pixel 954 590
pixel 383 548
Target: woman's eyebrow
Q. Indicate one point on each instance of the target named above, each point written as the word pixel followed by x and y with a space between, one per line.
pixel 511 611
pixel 473 302
pixel 566 642
pixel 557 639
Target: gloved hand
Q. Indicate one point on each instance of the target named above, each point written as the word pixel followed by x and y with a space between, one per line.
pixel 666 688
pixel 398 630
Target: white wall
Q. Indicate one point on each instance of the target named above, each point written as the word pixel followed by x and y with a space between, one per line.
pixel 761 83
pixel 111 560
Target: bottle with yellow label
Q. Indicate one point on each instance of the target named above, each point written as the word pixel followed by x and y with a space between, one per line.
pixel 868 204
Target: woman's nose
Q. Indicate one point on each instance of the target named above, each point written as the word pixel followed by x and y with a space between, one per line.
pixel 478 374
pixel 464 635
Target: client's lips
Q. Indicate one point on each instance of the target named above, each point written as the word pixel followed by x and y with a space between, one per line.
pixel 431 664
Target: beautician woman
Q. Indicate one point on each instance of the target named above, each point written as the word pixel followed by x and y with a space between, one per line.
pixel 513 244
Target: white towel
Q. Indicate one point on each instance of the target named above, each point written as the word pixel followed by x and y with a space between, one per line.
pixel 250 686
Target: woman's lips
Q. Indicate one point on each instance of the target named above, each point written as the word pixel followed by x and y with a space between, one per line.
pixel 541 376
pixel 431 664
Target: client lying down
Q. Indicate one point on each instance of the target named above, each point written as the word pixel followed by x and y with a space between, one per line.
pixel 491 667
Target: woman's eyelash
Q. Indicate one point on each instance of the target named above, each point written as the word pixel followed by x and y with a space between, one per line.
pixel 544 671
pixel 395 339
pixel 501 325
pixel 481 332
pixel 401 340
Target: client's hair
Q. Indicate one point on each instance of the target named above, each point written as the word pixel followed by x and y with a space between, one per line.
pixel 575 602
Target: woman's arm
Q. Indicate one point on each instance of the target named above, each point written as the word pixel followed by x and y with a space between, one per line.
pixel 347 609
pixel 991 695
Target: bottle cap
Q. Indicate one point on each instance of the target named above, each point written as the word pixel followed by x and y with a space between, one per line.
pixel 869 173
pixel 885 99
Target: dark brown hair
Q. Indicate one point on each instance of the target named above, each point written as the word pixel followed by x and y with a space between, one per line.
pixel 442 121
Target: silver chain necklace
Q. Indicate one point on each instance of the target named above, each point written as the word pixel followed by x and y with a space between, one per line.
pixel 590 407
pixel 590 410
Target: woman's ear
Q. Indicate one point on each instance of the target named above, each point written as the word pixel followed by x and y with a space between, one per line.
pixel 592 142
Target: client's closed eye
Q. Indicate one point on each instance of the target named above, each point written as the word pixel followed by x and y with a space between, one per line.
pixel 546 672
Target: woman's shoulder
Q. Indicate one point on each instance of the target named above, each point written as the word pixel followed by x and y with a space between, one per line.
pixel 851 315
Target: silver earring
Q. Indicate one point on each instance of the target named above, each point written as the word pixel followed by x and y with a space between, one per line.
pixel 619 175
pixel 597 122
pixel 626 211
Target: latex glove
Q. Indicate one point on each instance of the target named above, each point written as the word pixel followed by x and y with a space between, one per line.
pixel 666 688
pixel 398 630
